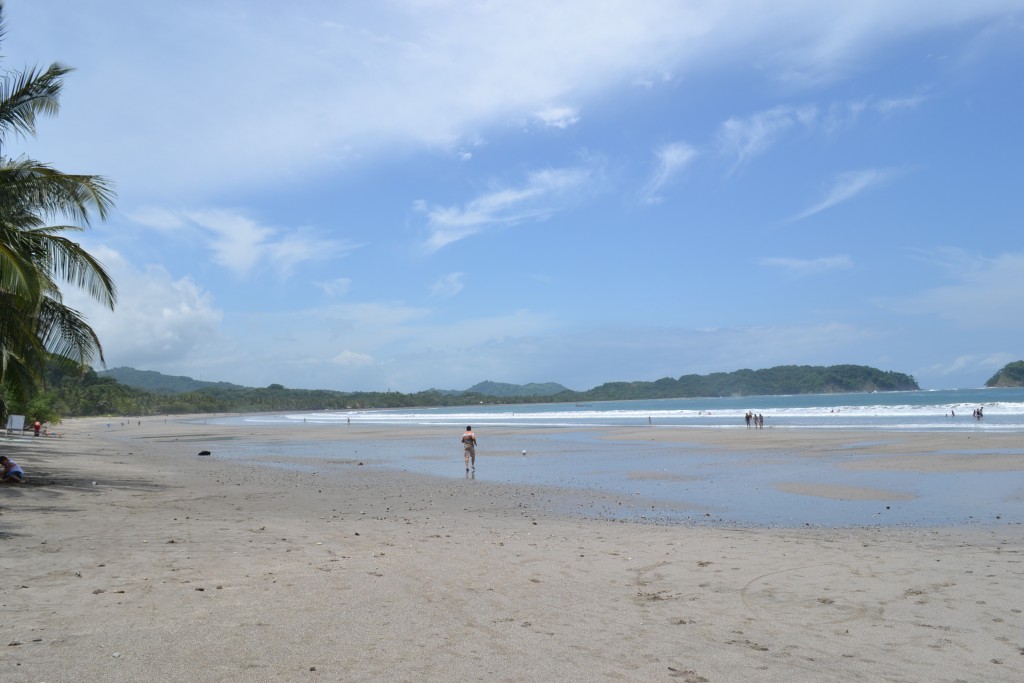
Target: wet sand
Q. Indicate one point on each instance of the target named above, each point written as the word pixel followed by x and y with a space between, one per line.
pixel 128 557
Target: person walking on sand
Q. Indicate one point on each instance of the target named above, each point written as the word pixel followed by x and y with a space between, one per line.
pixel 469 448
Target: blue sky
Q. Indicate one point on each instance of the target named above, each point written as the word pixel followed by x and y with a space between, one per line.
pixel 409 194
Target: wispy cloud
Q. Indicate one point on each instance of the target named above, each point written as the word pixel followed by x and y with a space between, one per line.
pixel 352 359
pixel 847 186
pixel 982 293
pixel 978 363
pixel 801 267
pixel 672 158
pixel 366 77
pixel 745 138
pixel 558 117
pixel 447 285
pixel 237 242
pixel 242 244
pixel 895 104
pixel 337 287
pixel 543 193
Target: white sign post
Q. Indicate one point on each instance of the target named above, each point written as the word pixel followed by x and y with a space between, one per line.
pixel 16 423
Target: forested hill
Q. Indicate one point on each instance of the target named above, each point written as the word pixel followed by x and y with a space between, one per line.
pixel 489 388
pixel 159 383
pixel 1011 375
pixel 783 379
pixel 74 393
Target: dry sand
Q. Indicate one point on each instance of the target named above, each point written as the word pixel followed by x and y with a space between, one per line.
pixel 128 558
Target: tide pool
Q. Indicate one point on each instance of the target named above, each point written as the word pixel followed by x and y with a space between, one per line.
pixel 678 482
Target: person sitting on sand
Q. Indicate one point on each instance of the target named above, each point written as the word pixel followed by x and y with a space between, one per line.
pixel 469 447
pixel 12 473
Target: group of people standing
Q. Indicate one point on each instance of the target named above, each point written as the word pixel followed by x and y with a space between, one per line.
pixel 757 420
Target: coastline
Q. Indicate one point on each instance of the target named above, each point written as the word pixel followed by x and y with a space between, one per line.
pixel 173 566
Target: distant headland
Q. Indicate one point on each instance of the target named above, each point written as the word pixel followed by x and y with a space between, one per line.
pixel 1011 375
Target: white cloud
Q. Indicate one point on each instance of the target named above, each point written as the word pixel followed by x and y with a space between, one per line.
pixel 447 285
pixel 745 138
pixel 558 117
pixel 238 243
pixel 157 217
pixel 347 79
pixel 801 267
pixel 295 248
pixel 847 186
pixel 352 359
pixel 584 358
pixel 543 193
pixel 337 287
pixel 241 244
pixel 841 115
pixel 975 364
pixel 820 42
pixel 371 346
pixel 159 321
pixel 896 104
pixel 983 294
pixel 672 158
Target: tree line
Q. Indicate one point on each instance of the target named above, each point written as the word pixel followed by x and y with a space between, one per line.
pixel 72 392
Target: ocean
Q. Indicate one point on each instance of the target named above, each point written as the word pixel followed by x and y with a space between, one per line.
pixel 938 410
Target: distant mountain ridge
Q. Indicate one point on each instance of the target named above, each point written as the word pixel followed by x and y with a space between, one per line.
pixel 159 383
pixel 782 379
pixel 126 391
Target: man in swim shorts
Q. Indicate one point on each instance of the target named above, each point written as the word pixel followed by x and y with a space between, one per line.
pixel 469 447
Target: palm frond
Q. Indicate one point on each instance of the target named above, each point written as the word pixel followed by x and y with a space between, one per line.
pixel 69 261
pixel 65 332
pixel 28 186
pixel 26 95
pixel 18 274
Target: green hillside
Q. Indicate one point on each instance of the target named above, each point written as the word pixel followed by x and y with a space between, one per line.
pixel 780 380
pixel 125 391
pixel 1011 375
pixel 500 389
pixel 159 383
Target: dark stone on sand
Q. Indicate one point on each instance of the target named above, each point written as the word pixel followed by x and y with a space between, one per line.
pixel 204 452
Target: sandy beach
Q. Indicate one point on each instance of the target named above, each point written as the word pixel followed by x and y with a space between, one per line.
pixel 128 557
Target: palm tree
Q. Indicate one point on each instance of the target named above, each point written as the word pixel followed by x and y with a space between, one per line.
pixel 35 258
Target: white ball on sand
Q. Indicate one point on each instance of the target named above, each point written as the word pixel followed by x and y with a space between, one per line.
pixel 524 452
